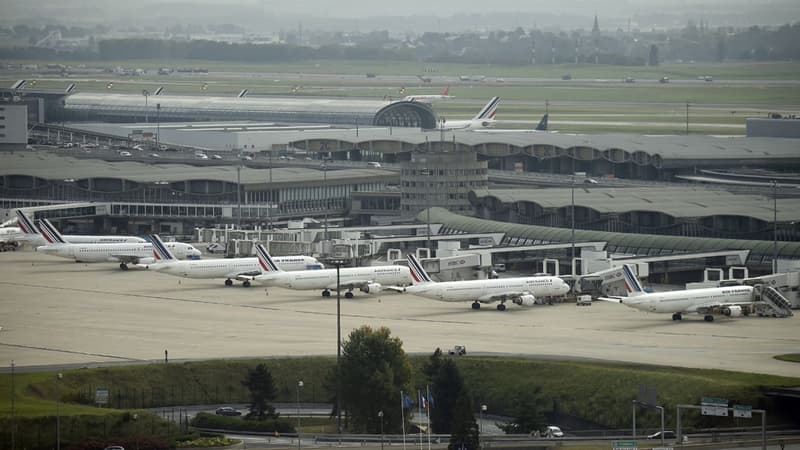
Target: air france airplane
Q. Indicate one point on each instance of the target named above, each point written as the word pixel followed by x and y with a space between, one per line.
pixel 242 269
pixel 427 98
pixel 31 234
pixel 484 118
pixel 731 301
pixel 370 279
pixel 125 253
pixel 521 290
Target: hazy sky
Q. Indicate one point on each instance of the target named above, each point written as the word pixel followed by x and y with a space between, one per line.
pixel 411 15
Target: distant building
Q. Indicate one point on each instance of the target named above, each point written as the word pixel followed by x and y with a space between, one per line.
pixel 775 126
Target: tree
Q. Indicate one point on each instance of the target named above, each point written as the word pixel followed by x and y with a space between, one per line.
pixel 653 61
pixel 374 369
pixel 465 433
pixel 447 386
pixel 262 392
pixel 526 410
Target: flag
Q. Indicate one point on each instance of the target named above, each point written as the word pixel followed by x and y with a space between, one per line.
pixel 423 402
pixel 406 401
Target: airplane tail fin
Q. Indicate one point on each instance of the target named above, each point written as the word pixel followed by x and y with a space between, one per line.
pixel 542 126
pixel 418 274
pixel 25 224
pixel 50 233
pixel 159 90
pixel 631 281
pixel 242 93
pixel 69 88
pixel 488 111
pixel 160 251
pixel 265 262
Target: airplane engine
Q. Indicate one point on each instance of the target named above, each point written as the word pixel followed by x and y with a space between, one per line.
pixel 485 124
pixel 147 261
pixel 371 288
pixel 525 300
pixel 732 311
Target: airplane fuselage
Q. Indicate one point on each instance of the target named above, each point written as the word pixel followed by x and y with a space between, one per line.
pixel 485 290
pixel 689 300
pixel 116 251
pixel 326 278
pixel 232 267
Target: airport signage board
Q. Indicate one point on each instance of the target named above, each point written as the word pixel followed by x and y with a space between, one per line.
pixel 712 406
pixel 101 396
pixel 745 411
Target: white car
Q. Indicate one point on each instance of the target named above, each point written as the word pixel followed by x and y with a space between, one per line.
pixel 125 153
pixel 216 156
pixel 553 431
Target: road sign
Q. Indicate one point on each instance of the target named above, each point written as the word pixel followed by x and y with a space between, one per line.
pixel 101 396
pixel 625 445
pixel 712 406
pixel 742 411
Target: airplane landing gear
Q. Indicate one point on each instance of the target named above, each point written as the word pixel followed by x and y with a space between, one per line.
pixel 501 307
pixel 326 293
pixel 677 316
pixel 708 318
pixel 348 294
pixel 246 283
pixel 228 282
pixel 123 266
pixel 476 305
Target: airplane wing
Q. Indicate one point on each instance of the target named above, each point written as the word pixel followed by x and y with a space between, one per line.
pixel 611 299
pixel 244 276
pixel 521 298
pixel 128 259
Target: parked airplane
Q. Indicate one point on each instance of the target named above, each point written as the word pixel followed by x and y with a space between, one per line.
pixel 31 234
pixel 521 290
pixel 427 98
pixel 731 301
pixel 241 269
pixel 370 279
pixel 484 118
pixel 125 253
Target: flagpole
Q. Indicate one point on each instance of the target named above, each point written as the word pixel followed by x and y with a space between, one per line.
pixel 403 416
pixel 428 404
pixel 419 396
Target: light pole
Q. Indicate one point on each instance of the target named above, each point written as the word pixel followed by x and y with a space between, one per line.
pixel 299 385
pixel 158 126
pixel 426 193
pixel 12 404
pixel 58 410
pixel 687 118
pixel 146 94
pixel 774 227
pixel 572 219
pixel 338 263
pixel 480 430
pixel 325 194
pixel 380 416
pixel 239 195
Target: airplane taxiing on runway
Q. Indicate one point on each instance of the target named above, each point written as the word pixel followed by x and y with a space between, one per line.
pixel 241 269
pixel 369 279
pixel 520 290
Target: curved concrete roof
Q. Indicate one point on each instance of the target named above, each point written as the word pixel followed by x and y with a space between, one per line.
pixel 285 109
pixel 678 202
pixel 50 166
pixel 677 244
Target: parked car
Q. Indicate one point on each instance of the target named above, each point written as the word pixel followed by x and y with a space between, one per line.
pixel 227 411
pixel 155 155
pixel 374 164
pixel 458 350
pixel 124 153
pixel 215 156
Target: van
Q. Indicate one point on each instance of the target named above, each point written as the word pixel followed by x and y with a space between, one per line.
pixel 374 164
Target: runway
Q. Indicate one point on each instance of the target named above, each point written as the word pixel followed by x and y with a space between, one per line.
pixel 55 312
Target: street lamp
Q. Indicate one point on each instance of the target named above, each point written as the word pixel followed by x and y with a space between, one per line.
pixel 572 219
pixel 380 415
pixel 338 263
pixel 426 193
pixel 146 94
pixel 480 430
pixel 299 385
pixel 774 227
pixel 325 194
pixel 58 410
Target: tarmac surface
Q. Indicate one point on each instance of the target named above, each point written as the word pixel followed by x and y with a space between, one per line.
pixel 54 312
